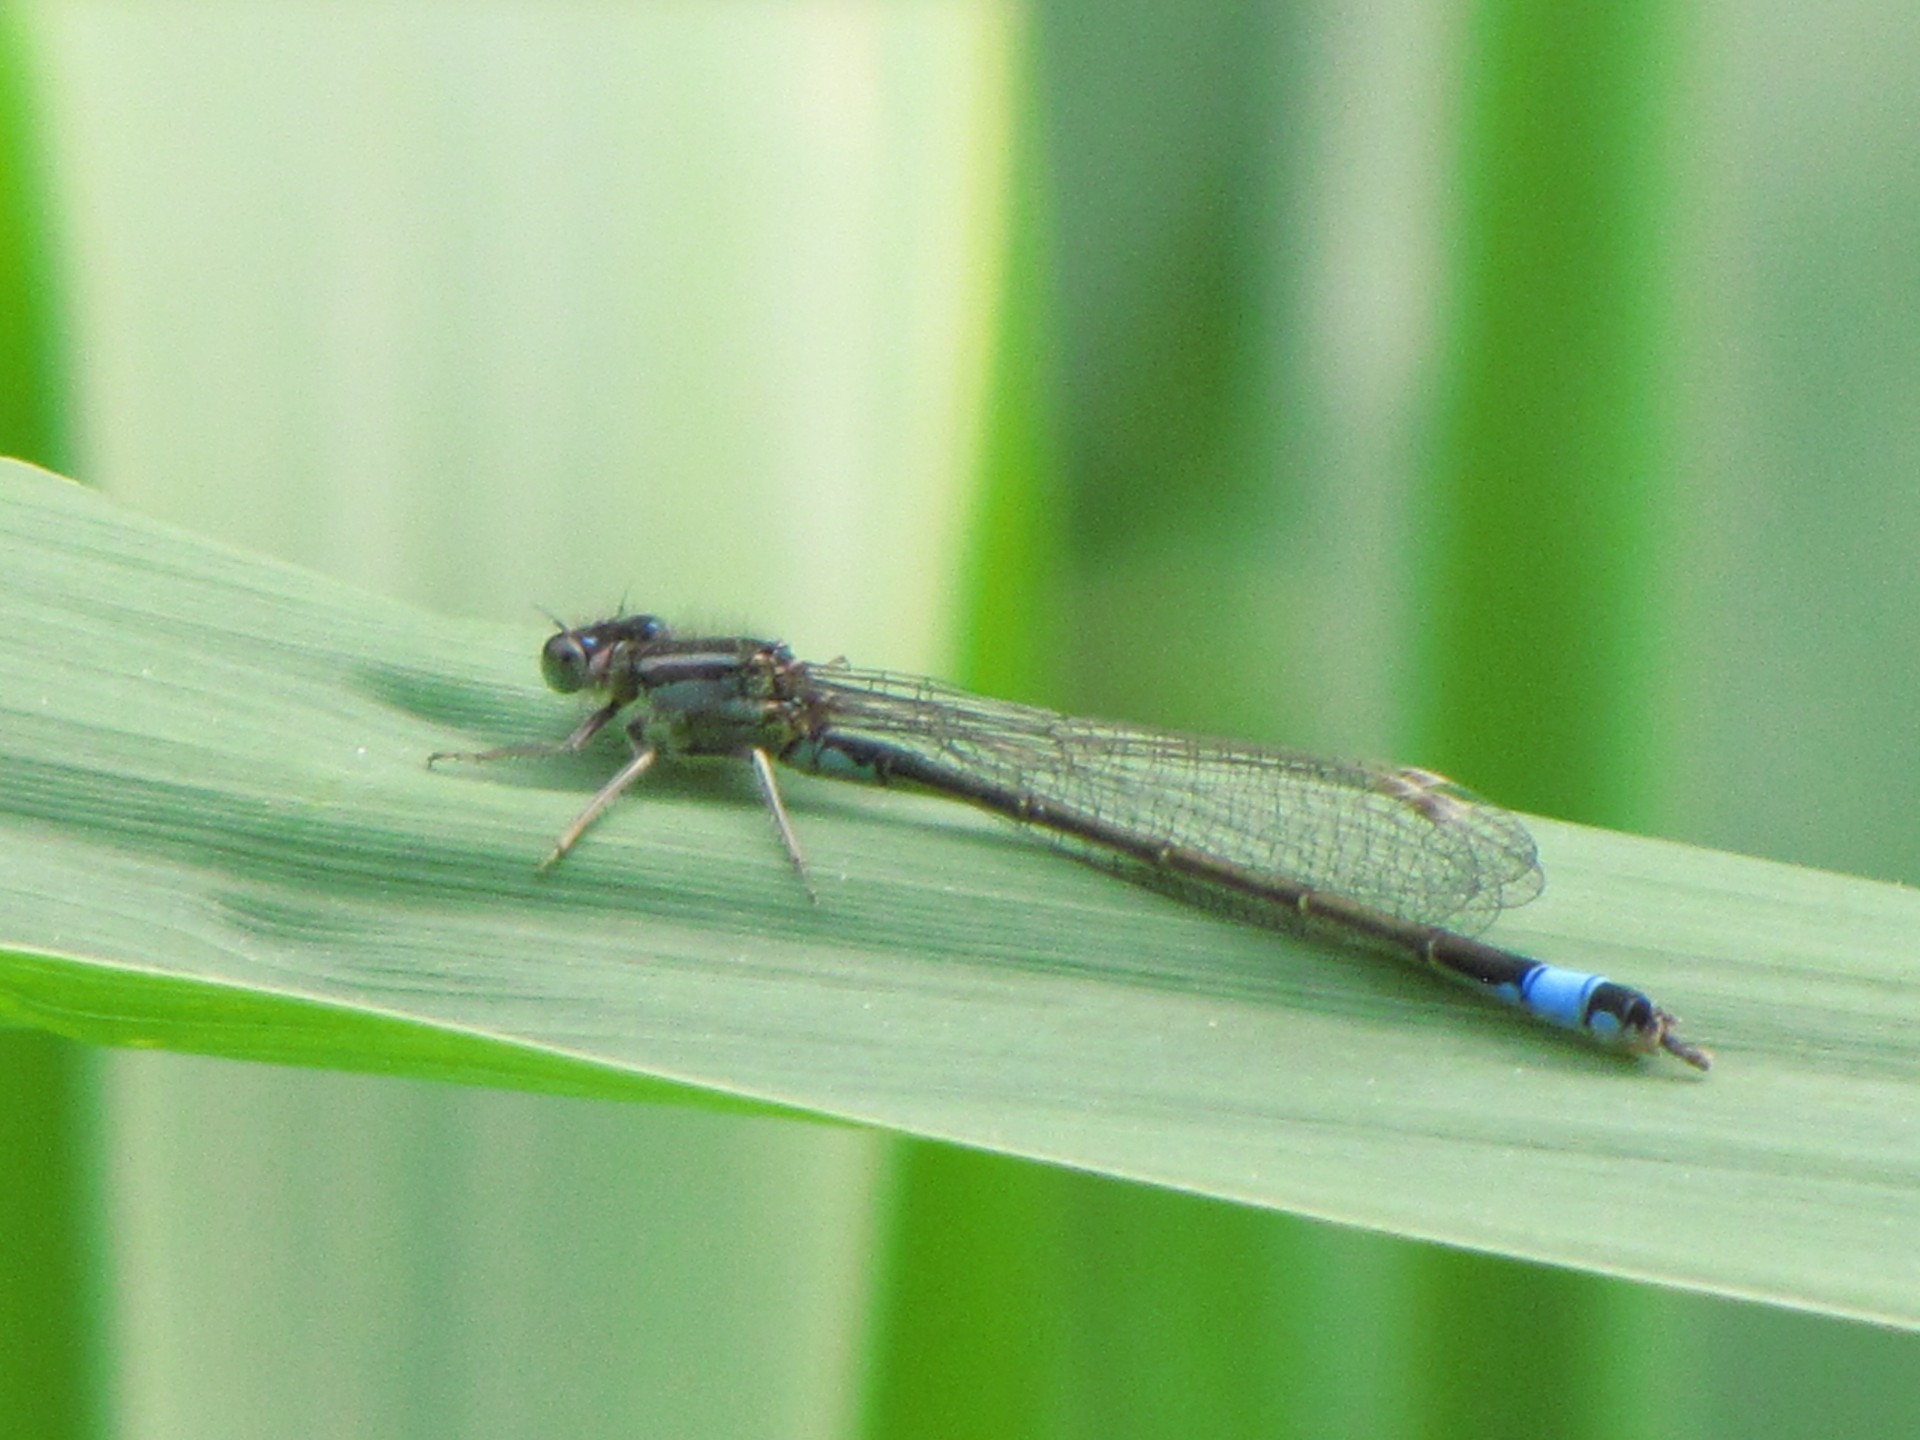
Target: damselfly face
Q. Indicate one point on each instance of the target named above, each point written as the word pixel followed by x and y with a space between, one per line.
pixel 582 657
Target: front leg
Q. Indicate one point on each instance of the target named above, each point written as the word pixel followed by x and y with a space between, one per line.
pixel 572 745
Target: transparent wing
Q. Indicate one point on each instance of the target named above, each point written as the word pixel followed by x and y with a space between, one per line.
pixel 1406 842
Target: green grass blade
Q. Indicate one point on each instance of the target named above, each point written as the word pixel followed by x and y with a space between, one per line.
pixel 49 1314
pixel 219 835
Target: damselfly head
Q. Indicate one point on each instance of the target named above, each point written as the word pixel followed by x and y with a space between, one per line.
pixel 577 658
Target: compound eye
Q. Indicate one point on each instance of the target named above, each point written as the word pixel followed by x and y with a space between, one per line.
pixel 564 663
pixel 638 627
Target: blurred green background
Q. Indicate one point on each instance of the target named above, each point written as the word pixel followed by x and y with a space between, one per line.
pixel 1520 391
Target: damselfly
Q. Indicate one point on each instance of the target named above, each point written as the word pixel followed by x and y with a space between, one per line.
pixel 1395 859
